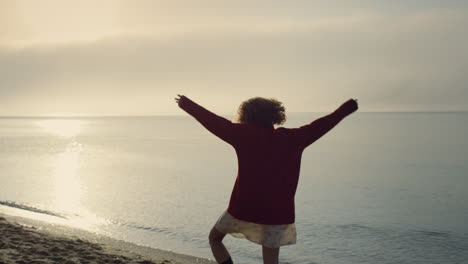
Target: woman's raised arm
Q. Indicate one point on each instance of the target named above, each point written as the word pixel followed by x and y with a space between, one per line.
pixel 219 126
pixel 313 131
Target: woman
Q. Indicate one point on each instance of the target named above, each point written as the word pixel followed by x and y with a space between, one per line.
pixel 261 208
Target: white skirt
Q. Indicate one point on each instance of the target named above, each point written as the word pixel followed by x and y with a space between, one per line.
pixel 272 236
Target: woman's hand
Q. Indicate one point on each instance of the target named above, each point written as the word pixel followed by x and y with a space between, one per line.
pixel 180 99
pixel 351 105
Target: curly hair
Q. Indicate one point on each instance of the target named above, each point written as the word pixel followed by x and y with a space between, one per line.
pixel 261 111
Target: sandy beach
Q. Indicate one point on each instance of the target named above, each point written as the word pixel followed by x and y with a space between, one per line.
pixel 23 243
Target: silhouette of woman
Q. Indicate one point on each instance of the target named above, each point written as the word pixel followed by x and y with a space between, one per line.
pixel 261 208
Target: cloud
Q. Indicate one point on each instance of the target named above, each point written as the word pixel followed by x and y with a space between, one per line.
pixel 404 62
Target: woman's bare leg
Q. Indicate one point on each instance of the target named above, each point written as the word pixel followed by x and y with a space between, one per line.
pixel 220 252
pixel 270 255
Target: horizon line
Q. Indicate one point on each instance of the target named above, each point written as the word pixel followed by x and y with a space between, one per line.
pixel 180 115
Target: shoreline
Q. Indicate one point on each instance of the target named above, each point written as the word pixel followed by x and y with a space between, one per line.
pixel 27 241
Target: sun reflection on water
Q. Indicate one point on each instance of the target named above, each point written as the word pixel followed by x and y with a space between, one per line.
pixel 68 190
pixel 67 185
pixel 62 127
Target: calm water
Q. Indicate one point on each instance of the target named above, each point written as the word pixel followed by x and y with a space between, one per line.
pixel 379 188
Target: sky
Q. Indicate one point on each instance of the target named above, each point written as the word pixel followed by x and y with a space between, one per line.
pixel 116 57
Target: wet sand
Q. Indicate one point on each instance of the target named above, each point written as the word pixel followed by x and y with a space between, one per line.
pixel 26 244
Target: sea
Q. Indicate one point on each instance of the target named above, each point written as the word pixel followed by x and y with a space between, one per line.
pixel 378 188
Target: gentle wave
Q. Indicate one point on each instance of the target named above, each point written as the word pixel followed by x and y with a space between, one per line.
pixel 168 232
pixel 145 228
pixel 26 207
pixel 31 208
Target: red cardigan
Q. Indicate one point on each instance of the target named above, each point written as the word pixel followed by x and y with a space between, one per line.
pixel 269 161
